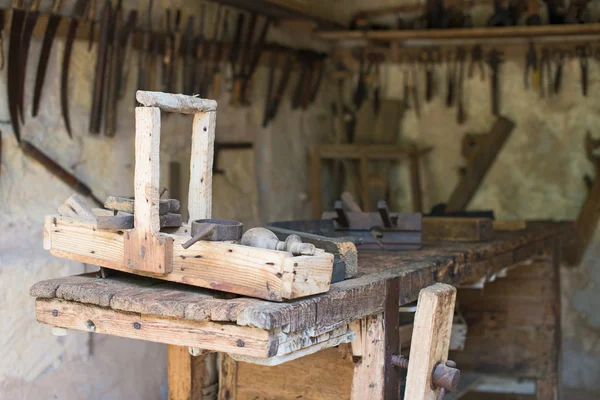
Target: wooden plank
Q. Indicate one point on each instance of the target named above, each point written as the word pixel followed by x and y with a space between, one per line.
pixel 232 268
pixel 546 389
pixel 368 378
pixel 415 183
pixel 201 164
pixel 431 339
pixel 187 375
pixel 177 103
pixel 461 229
pixel 204 335
pixel 482 159
pixel 227 377
pixel 76 207
pixel 145 248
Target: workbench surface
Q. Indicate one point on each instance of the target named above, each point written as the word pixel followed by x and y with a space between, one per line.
pixel 448 262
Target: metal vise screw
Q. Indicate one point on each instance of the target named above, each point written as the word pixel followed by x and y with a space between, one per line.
pixel 445 376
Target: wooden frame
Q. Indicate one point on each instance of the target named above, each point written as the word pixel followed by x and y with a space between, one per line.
pixel 145 250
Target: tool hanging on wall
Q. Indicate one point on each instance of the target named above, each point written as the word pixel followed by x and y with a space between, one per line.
pixel 584 52
pixel 531 67
pixel 200 55
pixel 91 17
pixel 144 55
pixel 255 52
pixel 106 29
pixel 494 61
pixel 110 84
pixel 78 11
pixel 234 55
pixel 461 115
pixel 429 59
pixel 14 47
pixel 28 27
pixel 218 58
pixel 273 99
pixel 53 22
pixel 477 61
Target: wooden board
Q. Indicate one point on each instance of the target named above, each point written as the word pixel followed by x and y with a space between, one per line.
pixel 189 378
pixel 223 266
pixel 462 229
pixel 431 339
pixel 368 379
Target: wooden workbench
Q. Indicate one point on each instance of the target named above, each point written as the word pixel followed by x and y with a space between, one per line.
pixel 262 332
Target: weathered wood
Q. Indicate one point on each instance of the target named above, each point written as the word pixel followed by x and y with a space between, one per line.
pixel 462 229
pixel 204 335
pixel 479 163
pixel 431 339
pixel 76 207
pixel 227 377
pixel 127 205
pixel 368 379
pixel 233 268
pixel 177 103
pixel 510 225
pixel 546 389
pixel 187 375
pixel 201 165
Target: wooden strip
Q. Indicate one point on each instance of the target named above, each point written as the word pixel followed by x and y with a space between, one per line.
pixel 461 229
pixel 76 207
pixel 204 335
pixel 201 165
pixel 431 339
pixel 178 103
pixel 482 159
pixel 227 377
pixel 368 380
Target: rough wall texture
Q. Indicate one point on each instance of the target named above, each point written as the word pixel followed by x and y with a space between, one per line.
pixel 538 175
pixel 37 365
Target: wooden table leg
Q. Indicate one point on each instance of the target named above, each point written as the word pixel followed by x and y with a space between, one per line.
pixel 191 378
pixel 227 377
pixel 367 381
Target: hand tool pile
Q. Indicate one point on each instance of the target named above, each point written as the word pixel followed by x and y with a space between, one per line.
pixel 181 54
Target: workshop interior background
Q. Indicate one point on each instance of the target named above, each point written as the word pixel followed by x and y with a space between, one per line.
pixel 537 175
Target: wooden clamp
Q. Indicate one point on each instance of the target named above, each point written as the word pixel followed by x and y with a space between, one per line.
pixel 145 248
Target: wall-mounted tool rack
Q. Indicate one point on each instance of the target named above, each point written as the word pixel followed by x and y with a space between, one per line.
pixel 146 250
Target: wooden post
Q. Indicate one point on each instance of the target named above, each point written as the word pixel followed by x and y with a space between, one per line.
pixel 227 377
pixel 189 377
pixel 430 340
pixel 201 164
pixel 368 380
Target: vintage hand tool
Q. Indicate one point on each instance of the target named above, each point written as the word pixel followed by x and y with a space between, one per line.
pixel 106 29
pixel 234 56
pixel 428 59
pixel 559 60
pixel 176 51
pixel 584 52
pixel 2 17
pixel 14 47
pixel 531 63
pixel 461 54
pixel 28 27
pixel 53 21
pixel 414 91
pixel 477 61
pixel 214 230
pixel 91 17
pixel 220 45
pixel 125 52
pixel 126 204
pixel 171 49
pixel 200 55
pixel 451 76
pixel 376 88
pixel 188 57
pixel 251 66
pixel 545 73
pixel 144 53
pixel 112 78
pixel 273 102
pixel 360 93
pixel 220 146
pixel 495 60
pixel 78 11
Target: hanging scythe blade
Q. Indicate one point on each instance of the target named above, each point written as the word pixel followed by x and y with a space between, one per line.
pixel 77 14
pixel 51 28
pixel 16 26
pixel 28 27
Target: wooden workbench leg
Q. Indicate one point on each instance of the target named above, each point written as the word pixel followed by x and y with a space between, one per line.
pixel 227 377
pixel 368 379
pixel 430 340
pixel 191 378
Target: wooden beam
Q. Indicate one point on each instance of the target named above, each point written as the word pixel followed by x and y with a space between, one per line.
pixel 457 229
pixel 189 379
pixel 431 339
pixel 479 163
pixel 175 103
pixel 368 380
pixel 227 377
pixel 201 165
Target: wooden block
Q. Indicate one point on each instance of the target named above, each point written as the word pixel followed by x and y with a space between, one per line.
pixel 458 229
pixel 431 339
pixel 76 207
pixel 177 103
pixel 201 165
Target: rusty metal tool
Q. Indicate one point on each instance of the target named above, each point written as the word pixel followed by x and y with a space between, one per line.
pixel 495 60
pixel 144 53
pixel 273 103
pixel 257 50
pixel 531 65
pixel 559 60
pixel 214 230
pixel 445 376
pixel 53 22
pixel 168 51
pixel 91 17
pixel 429 58
pixel 78 11
pixel 584 52
pixel 176 50
pixel 28 27
pixel 188 57
pixel 461 115
pixel 237 95
pixel 106 27
pixel 2 17
pixel 451 70
pixel 14 47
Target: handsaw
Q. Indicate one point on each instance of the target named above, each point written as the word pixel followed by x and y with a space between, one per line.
pixel 283 82
pixel 30 22
pixel 101 64
pixel 234 55
pixel 144 53
pixel 78 11
pixel 14 47
pixel 251 66
pixel 188 55
pixel 53 22
pixel 1 39
pixel 200 54
pixel 112 78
